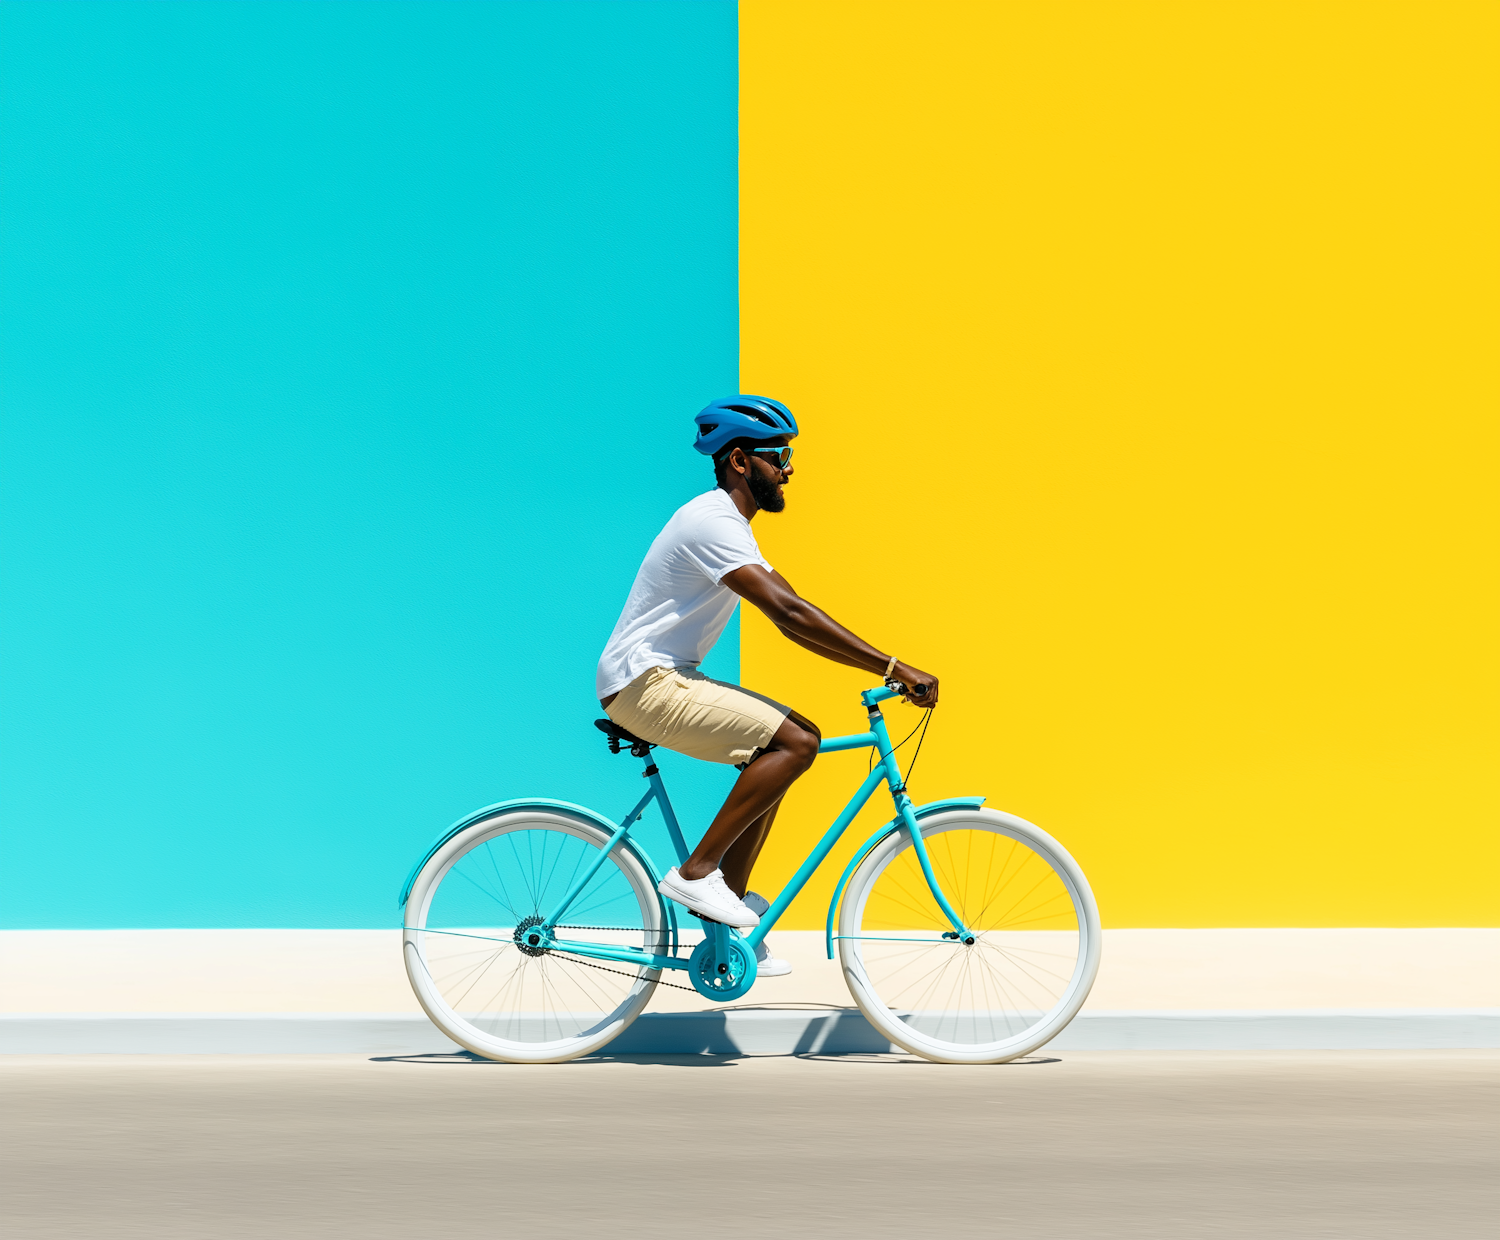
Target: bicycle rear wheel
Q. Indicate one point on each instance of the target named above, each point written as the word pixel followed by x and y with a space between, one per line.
pixel 1035 930
pixel 468 957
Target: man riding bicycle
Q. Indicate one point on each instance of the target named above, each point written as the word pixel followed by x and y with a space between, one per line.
pixel 699 566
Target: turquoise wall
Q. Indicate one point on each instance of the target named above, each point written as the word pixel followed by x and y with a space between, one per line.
pixel 344 347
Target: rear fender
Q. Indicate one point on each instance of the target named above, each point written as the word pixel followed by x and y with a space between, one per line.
pixel 919 812
pixel 592 817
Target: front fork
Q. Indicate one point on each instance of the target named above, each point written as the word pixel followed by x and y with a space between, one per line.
pixel 960 931
pixel 919 846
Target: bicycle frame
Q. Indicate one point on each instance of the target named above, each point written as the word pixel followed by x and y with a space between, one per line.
pixel 886 769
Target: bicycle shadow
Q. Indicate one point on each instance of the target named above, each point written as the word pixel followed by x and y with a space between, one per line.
pixel 1025 1061
pixel 721 1036
pixel 461 1058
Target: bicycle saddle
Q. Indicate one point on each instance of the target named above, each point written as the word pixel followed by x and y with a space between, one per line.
pixel 619 736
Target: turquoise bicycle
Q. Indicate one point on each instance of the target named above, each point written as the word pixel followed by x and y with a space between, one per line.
pixel 534 932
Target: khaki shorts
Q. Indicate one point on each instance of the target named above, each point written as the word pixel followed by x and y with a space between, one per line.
pixel 687 712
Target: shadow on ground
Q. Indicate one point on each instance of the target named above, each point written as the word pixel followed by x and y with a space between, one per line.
pixel 454 1059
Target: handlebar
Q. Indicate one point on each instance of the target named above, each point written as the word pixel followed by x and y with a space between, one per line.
pixel 893 688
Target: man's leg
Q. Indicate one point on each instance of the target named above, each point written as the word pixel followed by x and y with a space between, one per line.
pixel 739 861
pixel 755 794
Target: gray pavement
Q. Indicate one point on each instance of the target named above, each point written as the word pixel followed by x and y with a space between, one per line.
pixel 1098 1144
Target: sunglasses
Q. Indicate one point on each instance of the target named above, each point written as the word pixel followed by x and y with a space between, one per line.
pixel 779 457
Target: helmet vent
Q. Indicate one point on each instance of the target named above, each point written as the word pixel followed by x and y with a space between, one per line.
pixel 754 419
pixel 753 413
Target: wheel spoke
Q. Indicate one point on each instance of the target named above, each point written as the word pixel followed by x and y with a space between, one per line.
pixel 459 934
pixel 1020 969
pixel 480 887
pixel 499 878
pixel 486 986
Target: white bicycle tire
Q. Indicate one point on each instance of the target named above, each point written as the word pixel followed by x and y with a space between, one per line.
pixel 883 1016
pixel 451 1022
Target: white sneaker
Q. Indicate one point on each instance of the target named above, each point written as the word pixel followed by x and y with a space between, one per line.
pixel 708 897
pixel 766 965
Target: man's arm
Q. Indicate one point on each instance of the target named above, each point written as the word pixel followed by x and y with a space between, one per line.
pixel 833 655
pixel 814 629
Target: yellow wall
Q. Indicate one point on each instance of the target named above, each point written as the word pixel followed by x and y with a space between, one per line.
pixel 1146 355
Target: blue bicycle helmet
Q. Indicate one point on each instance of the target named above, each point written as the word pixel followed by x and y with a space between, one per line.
pixel 741 417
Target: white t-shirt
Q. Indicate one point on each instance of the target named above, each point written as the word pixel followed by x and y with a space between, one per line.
pixel 677 608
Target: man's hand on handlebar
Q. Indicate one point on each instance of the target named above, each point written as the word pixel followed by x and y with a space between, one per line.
pixel 920 688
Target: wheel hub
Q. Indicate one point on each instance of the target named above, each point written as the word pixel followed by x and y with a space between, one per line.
pixel 531 937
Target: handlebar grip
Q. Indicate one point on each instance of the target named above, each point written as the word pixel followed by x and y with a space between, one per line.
pixel 919 691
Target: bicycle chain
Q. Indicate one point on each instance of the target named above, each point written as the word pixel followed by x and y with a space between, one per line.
pixel 590 964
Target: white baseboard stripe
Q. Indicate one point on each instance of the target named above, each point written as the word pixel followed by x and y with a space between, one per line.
pixel 741 1031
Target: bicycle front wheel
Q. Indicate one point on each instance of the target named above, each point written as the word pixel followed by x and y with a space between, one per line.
pixel 479 977
pixel 1035 931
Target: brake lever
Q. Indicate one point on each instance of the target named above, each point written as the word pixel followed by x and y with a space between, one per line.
pixel 906 693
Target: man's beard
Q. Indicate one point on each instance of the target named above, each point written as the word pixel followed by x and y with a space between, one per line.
pixel 763 491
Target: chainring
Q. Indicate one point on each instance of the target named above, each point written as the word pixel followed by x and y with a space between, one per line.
pixel 728 985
